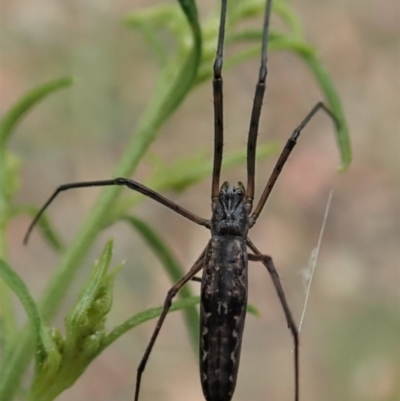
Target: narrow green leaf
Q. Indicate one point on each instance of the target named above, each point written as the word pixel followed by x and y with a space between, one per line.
pixel 335 105
pixel 19 109
pixel 10 176
pixel 144 316
pixel 8 321
pixel 243 10
pixel 277 41
pixel 44 345
pixel 173 269
pixel 187 74
pixel 289 17
pixel 190 10
pixel 159 16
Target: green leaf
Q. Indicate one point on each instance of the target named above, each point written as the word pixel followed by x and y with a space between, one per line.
pixel 174 270
pixel 19 109
pixel 8 321
pixel 335 105
pixel 143 317
pixel 190 11
pixel 252 8
pixel 46 352
pixel 12 165
pixel 289 17
pixel 188 72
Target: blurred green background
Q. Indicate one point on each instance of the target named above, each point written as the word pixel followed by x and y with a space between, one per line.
pixel 350 341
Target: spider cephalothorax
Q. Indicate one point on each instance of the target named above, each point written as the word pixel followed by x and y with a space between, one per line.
pixel 229 214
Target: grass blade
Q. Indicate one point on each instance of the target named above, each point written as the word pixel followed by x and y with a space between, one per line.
pixel 19 109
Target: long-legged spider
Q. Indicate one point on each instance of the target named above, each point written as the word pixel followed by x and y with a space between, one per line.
pixel 225 258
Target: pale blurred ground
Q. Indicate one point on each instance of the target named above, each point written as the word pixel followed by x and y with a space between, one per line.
pixel 350 340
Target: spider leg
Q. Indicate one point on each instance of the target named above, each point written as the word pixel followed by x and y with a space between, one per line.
pixel 269 264
pixel 123 182
pixel 218 107
pixel 256 112
pixel 167 304
pixel 287 150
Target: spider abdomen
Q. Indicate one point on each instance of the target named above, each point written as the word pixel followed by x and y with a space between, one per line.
pixel 222 315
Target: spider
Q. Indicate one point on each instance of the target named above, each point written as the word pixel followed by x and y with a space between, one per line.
pixel 224 260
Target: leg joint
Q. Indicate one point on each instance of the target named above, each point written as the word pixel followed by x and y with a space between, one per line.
pixel 218 67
